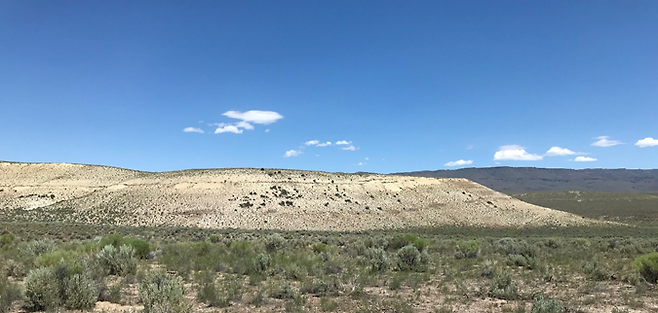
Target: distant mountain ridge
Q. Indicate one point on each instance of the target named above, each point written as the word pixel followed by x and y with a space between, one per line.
pixel 531 179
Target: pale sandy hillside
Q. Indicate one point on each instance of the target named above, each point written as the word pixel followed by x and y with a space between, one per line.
pixel 257 199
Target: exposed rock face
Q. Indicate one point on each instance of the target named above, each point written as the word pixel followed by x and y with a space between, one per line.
pixel 258 199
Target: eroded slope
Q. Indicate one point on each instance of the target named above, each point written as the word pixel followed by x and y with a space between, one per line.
pixel 252 198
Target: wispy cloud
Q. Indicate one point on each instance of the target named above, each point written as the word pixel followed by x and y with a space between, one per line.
pixel 647 142
pixel 584 159
pixel 193 130
pixel 255 116
pixel 324 144
pixel 312 142
pixel 292 153
pixel 459 163
pixel 604 141
pixel 557 151
pixel 349 148
pixel 515 153
pixel 246 120
pixel 343 142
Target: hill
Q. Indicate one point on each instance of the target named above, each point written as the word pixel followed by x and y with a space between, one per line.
pixel 257 199
pixel 529 179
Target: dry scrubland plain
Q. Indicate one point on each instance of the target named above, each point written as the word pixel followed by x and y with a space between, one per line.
pixel 258 199
pixel 81 237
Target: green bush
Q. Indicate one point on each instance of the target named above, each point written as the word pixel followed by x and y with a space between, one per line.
pixel 261 262
pixel 502 287
pixel 120 261
pixel 162 294
pixel 319 247
pixel 467 249
pixel 595 270
pixel 6 239
pixel 9 293
pixel 408 239
pixel 214 238
pixel 509 246
pixel 275 242
pixel 379 260
pixel 80 292
pixel 42 290
pixel 207 291
pixel 543 305
pixel 647 266
pixel 141 247
pixel 35 248
pixel 409 258
pixel 54 258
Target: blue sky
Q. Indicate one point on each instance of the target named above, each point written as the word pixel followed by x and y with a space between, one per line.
pixel 383 86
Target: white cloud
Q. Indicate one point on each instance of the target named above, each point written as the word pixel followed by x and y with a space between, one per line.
pixel 343 142
pixel 267 130
pixel 459 163
pixel 515 153
pixel 360 163
pixel 324 144
pixel 349 148
pixel 557 151
pixel 603 141
pixel 647 142
pixel 584 159
pixel 367 158
pixel 223 128
pixel 312 142
pixel 255 116
pixel 292 153
pixel 193 130
pixel 244 125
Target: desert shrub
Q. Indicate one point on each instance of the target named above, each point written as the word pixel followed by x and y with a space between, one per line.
pixel 408 258
pixel 162 294
pixel 141 247
pixel 378 259
pixel 509 246
pixel 115 240
pixel 582 242
pixel 595 270
pixel 242 248
pixel 35 248
pixel 9 293
pixel 544 305
pixel 552 242
pixel 467 249
pixel 282 291
pixel 14 268
pixel 55 257
pixel 42 290
pixel 319 247
pixel 207 291
pixel 275 242
pixel 262 262
pixel 120 261
pixel 401 241
pixel 502 287
pixel 214 238
pixel 322 286
pixel 6 239
pixel 80 292
pixel 647 266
